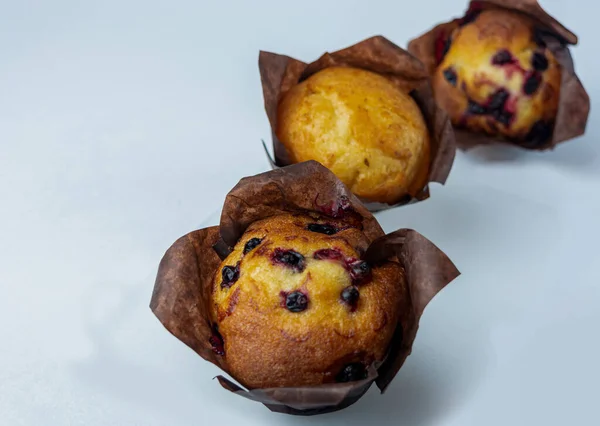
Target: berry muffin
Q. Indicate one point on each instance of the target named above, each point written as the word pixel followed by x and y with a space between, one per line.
pixel 361 126
pixel 293 304
pixel 496 76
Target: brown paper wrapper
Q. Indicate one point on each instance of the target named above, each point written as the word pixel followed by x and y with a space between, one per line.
pixel 182 292
pixel 377 54
pixel 574 102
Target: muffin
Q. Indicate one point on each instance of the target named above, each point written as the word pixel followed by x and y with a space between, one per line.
pixel 360 125
pixel 298 294
pixel 495 75
pixel 294 305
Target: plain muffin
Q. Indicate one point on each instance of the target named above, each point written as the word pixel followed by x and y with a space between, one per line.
pixel 361 126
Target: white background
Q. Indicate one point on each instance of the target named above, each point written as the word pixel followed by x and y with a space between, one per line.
pixel 123 124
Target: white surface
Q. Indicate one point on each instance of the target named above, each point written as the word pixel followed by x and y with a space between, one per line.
pixel 124 124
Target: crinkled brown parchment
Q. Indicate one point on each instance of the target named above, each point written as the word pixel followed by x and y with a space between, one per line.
pixel 182 292
pixel 377 54
pixel 574 102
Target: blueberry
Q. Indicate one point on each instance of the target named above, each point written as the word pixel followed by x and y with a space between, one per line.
pixel 289 258
pixel 350 295
pixel 251 244
pixel 496 107
pixel 475 108
pixel 216 342
pixel 359 271
pixel 296 301
pixel 531 84
pixel 539 134
pixel 498 100
pixel 539 61
pixel 230 275
pixel 322 229
pixel 351 373
pixel 502 116
pixel 450 76
pixel 503 57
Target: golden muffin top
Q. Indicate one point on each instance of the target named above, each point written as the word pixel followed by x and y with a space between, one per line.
pixel 496 76
pixel 295 305
pixel 361 126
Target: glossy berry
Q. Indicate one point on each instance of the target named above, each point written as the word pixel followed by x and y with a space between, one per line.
pixel 503 57
pixel 475 108
pixel 539 134
pixel 360 271
pixel 539 61
pixel 322 229
pixel 296 301
pixel 351 373
pixel 532 83
pixel 450 76
pixel 498 100
pixel 289 258
pixel 230 275
pixel 502 116
pixel 251 245
pixel 496 107
pixel 350 295
pixel 216 342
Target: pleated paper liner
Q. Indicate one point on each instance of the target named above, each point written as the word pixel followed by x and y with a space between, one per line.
pixel 182 293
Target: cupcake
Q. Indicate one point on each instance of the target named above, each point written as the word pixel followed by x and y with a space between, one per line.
pixel 295 305
pixel 367 113
pixel 298 294
pixel 503 73
pixel 361 126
